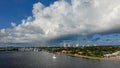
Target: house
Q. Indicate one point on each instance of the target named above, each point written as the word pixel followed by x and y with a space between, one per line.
pixel 64 51
pixel 113 54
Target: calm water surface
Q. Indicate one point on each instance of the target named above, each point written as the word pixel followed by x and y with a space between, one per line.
pixel 45 60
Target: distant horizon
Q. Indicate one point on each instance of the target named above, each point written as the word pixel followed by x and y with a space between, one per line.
pixel 73 45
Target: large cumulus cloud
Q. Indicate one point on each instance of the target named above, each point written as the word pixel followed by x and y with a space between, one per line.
pixel 65 17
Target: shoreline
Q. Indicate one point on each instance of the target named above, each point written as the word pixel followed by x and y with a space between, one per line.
pixel 117 58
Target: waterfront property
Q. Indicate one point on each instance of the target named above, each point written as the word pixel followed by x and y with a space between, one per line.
pixel 115 54
pixel 28 49
pixel 87 51
pixel 20 49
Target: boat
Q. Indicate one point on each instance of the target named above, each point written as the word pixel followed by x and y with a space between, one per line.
pixel 54 57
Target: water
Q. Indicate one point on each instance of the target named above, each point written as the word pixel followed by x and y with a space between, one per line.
pixel 45 60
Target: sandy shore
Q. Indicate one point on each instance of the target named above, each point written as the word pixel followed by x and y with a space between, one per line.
pixel 97 58
pixel 113 58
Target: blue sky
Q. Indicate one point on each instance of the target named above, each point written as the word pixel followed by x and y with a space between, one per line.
pixel 54 22
pixel 16 10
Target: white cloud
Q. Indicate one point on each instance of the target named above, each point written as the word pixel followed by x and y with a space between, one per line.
pixel 63 18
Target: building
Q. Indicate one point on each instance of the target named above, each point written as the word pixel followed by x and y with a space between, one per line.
pixel 94 45
pixel 113 54
pixel 87 45
pixel 77 45
pixel 66 45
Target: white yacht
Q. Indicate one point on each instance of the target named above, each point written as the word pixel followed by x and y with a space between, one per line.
pixel 54 57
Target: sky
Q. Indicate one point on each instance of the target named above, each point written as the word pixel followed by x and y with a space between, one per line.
pixel 16 10
pixel 55 22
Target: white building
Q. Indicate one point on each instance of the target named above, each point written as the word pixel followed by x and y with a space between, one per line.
pixel 65 45
pixel 77 45
pixel 113 54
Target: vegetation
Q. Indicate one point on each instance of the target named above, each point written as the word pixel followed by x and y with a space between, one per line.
pixel 8 49
pixel 93 51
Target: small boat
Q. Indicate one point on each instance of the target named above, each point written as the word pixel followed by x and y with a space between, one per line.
pixel 54 57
